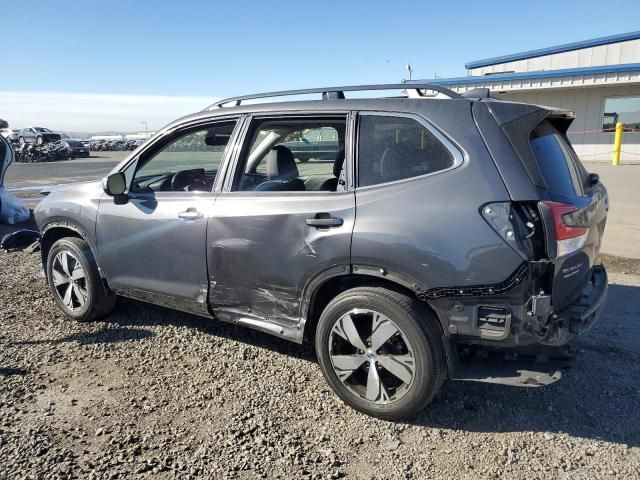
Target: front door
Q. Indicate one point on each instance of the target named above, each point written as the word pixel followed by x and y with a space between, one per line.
pixel 279 224
pixel 152 245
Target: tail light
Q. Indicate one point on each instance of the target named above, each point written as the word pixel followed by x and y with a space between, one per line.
pixel 570 236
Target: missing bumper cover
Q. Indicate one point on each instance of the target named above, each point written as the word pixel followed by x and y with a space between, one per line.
pixel 478 290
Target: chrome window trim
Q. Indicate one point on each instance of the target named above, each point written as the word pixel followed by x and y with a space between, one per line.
pixel 459 156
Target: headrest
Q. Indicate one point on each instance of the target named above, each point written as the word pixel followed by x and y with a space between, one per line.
pixel 280 164
pixel 396 163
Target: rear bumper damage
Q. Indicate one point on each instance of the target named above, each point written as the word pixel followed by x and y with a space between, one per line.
pixel 540 360
pixel 578 317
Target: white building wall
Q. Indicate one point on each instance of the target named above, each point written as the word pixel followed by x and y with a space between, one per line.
pixel 600 79
pixel 585 133
pixel 612 54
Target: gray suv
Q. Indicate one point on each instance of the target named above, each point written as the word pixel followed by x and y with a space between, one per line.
pixel 451 236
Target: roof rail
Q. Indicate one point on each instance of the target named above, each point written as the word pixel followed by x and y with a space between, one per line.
pixel 332 93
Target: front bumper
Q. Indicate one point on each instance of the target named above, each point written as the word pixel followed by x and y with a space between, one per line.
pixel 578 317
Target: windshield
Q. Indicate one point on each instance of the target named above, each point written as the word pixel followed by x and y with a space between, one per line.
pixel 40 129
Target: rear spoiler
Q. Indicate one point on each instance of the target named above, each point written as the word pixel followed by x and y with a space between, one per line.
pixel 508 112
pixel 517 121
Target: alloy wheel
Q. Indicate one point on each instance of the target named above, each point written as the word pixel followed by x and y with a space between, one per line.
pixel 69 280
pixel 372 356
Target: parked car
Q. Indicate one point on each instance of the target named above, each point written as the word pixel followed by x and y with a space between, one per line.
pixel 13 137
pixel 6 132
pixel 313 144
pixel 37 135
pixel 450 238
pixel 76 148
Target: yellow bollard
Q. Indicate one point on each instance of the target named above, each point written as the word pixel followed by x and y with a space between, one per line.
pixel 617 142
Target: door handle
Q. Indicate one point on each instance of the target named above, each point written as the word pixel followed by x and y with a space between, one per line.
pixel 190 214
pixel 324 220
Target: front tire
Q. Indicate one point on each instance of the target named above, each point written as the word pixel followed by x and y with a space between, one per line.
pixel 75 282
pixel 381 352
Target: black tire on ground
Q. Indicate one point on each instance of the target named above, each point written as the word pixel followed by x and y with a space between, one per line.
pixel 100 301
pixel 417 323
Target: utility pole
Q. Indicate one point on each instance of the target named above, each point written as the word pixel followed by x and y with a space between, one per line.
pixel 410 70
pixel 145 126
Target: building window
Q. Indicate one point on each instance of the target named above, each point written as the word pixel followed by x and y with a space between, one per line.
pixel 621 109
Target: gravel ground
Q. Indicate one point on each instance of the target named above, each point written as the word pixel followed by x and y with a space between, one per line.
pixel 151 392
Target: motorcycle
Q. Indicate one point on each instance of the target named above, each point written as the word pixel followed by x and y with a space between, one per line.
pixel 29 153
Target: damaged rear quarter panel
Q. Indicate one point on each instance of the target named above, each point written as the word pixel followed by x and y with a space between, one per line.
pixel 429 228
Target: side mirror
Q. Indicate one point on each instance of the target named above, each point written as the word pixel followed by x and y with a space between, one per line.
pixel 115 184
pixel 594 179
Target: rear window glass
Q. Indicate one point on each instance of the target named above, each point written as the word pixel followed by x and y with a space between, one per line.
pixel 559 165
pixel 394 148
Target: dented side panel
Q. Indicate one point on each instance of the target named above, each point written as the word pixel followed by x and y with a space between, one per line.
pixel 261 253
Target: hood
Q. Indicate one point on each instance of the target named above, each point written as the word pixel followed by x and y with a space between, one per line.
pixel 67 187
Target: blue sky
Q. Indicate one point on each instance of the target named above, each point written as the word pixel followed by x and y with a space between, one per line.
pixel 202 50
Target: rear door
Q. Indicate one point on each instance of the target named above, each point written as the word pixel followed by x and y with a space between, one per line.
pixel 277 225
pixel 576 214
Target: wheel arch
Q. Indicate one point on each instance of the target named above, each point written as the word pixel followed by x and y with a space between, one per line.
pixel 54 231
pixel 319 296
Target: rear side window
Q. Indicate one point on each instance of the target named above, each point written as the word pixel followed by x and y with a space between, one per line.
pixel 394 148
pixel 559 165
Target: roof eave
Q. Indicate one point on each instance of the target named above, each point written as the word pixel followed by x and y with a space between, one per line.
pixel 568 47
pixel 566 72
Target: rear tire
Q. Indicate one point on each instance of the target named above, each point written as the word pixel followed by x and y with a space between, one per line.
pixel 75 282
pixel 409 367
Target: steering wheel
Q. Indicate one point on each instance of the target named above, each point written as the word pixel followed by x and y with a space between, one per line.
pixel 190 181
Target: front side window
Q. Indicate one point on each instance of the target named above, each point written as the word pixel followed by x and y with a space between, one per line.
pixel 292 155
pixel 625 110
pixel 188 162
pixel 394 148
